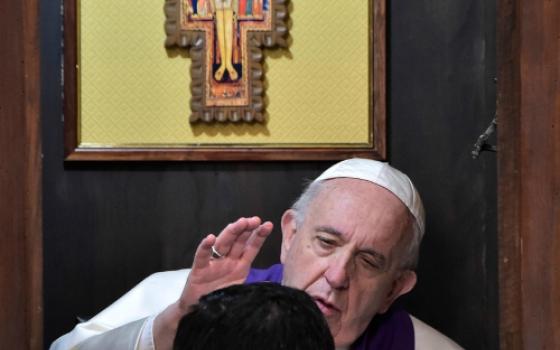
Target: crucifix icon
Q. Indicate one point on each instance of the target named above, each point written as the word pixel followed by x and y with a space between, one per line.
pixel 225 39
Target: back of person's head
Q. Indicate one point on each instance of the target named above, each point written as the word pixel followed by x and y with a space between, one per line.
pixel 254 316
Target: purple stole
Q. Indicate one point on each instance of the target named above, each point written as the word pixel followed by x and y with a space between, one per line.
pixel 389 331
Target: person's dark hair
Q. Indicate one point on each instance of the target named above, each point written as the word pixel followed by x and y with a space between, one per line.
pixel 254 316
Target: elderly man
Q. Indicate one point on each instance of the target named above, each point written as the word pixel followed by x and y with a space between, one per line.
pixel 350 241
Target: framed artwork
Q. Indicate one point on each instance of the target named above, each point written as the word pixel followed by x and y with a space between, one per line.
pixel 224 80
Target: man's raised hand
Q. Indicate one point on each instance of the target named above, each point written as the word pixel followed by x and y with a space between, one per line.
pixel 238 244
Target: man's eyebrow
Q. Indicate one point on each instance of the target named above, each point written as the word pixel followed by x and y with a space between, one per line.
pixel 381 259
pixel 331 230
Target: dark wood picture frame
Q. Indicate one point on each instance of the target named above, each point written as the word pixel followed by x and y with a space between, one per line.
pixel 376 149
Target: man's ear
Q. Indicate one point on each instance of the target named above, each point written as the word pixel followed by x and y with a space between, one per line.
pixel 402 285
pixel 289 228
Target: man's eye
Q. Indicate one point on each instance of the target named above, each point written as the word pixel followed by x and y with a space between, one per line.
pixel 325 242
pixel 368 263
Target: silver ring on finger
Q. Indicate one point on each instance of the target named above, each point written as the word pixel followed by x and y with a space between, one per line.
pixel 216 254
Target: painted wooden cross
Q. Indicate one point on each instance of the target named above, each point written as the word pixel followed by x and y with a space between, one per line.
pixel 225 39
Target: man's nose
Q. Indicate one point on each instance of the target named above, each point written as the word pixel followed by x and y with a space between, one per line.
pixel 338 273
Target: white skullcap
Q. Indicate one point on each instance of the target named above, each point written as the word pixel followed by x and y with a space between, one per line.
pixel 384 175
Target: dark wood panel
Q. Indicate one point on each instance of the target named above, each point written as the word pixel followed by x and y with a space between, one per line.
pixel 442 98
pixel 540 176
pixel 508 112
pixel 529 146
pixel 20 174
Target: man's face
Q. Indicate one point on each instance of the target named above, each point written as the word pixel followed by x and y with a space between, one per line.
pixel 347 252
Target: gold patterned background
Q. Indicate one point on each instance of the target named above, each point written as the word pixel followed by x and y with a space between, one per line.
pixel 133 92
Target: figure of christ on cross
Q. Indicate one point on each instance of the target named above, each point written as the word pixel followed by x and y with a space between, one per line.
pixel 226 38
pixel 227 14
pixel 225 23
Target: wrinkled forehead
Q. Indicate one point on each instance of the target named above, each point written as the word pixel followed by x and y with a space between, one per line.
pixel 363 192
pixel 360 204
pixel 382 174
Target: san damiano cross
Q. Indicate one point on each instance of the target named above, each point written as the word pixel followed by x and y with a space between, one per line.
pixel 225 39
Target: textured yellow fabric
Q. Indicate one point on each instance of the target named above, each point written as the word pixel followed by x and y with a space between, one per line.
pixel 134 92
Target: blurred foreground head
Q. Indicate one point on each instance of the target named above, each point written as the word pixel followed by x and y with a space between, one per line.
pixel 254 316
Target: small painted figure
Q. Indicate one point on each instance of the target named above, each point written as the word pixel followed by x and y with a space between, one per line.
pixel 225 21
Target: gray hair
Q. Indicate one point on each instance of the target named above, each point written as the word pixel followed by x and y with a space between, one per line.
pixel 415 234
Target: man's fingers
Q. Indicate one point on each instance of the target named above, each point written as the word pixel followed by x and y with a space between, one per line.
pixel 231 232
pixel 256 241
pixel 239 245
pixel 204 252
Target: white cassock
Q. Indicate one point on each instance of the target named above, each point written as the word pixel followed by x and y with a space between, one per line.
pixel 125 324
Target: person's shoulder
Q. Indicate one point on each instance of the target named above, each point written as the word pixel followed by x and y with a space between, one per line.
pixel 172 276
pixel 166 285
pixel 148 297
pixel 428 338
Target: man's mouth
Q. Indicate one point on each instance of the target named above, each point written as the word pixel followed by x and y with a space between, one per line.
pixel 326 308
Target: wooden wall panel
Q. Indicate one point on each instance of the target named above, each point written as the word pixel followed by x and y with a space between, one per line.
pixel 20 178
pixel 508 103
pixel 529 173
pixel 443 95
